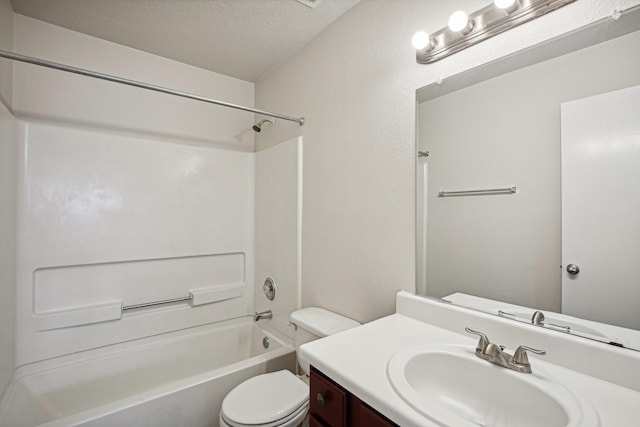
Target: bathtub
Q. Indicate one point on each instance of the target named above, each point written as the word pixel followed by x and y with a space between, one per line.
pixel 172 380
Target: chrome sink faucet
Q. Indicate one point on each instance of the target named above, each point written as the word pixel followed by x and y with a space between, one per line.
pixel 495 354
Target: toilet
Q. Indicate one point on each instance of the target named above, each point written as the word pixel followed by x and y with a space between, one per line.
pixel 282 398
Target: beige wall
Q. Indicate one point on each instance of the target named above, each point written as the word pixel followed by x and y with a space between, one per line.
pixel 355 84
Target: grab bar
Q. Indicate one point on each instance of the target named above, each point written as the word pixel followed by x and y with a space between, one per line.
pixel 153 303
pixel 114 310
pixel 197 296
pixel 509 190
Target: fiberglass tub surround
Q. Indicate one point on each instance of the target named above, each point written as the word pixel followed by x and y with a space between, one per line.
pixel 128 241
pixel 110 221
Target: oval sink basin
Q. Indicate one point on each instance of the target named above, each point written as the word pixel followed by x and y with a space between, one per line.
pixel 453 387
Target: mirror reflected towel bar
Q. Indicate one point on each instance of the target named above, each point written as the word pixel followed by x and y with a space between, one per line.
pixel 508 190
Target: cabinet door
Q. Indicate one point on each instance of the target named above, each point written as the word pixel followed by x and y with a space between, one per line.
pixel 328 401
pixel 333 406
pixel 313 422
pixel 370 418
pixel 361 415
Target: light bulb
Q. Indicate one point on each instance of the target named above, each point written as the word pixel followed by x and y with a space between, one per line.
pixel 507 5
pixel 421 40
pixel 459 22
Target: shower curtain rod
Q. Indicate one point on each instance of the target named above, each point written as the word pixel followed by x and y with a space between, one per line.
pixel 108 77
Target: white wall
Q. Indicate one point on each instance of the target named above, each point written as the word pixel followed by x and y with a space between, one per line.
pixel 49 95
pixel 355 84
pixel 7 204
pixel 509 245
pixel 278 223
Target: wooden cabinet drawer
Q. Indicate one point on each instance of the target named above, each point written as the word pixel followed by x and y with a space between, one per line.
pixel 328 401
pixel 363 415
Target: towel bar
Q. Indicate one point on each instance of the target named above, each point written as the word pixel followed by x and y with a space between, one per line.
pixel 508 190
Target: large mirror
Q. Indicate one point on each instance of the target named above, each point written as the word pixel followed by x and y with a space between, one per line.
pixel 508 126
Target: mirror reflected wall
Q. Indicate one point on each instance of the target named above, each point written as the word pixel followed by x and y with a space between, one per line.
pixel 499 126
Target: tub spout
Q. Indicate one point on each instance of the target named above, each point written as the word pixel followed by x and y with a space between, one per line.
pixel 262 315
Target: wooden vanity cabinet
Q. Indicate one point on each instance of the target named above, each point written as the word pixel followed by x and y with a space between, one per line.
pixel 333 406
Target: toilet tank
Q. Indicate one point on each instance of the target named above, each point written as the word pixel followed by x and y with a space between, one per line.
pixel 313 323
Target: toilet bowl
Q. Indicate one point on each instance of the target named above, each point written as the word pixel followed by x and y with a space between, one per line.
pixel 281 398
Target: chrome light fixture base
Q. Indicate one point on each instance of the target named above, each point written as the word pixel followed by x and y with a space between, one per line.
pixel 487 22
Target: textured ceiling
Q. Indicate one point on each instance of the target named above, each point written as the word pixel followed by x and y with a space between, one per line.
pixel 240 38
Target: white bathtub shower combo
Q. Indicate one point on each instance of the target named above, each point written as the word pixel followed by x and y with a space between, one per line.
pixel 137 230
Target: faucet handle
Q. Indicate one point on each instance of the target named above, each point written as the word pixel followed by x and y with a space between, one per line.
pixel 520 356
pixel 483 342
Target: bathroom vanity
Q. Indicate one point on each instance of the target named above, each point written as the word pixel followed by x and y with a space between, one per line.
pixel 418 368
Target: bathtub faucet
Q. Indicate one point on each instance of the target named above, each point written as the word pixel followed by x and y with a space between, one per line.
pixel 262 315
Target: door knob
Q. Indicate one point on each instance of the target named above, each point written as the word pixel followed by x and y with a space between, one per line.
pixel 573 269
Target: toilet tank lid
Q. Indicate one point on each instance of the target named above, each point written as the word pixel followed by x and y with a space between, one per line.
pixel 321 322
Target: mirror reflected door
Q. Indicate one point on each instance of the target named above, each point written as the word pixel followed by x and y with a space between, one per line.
pixel 601 207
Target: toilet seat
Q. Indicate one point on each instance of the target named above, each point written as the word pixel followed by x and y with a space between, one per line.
pixel 268 400
pixel 292 420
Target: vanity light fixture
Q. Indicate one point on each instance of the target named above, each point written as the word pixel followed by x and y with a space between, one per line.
pixel 466 30
pixel 507 6
pixel 422 40
pixel 459 22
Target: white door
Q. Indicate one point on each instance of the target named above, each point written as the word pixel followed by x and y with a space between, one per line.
pixel 601 207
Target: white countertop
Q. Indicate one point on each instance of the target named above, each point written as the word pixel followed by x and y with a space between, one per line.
pixel 357 359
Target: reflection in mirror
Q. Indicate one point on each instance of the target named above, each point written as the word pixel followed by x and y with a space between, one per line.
pixel 505 125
